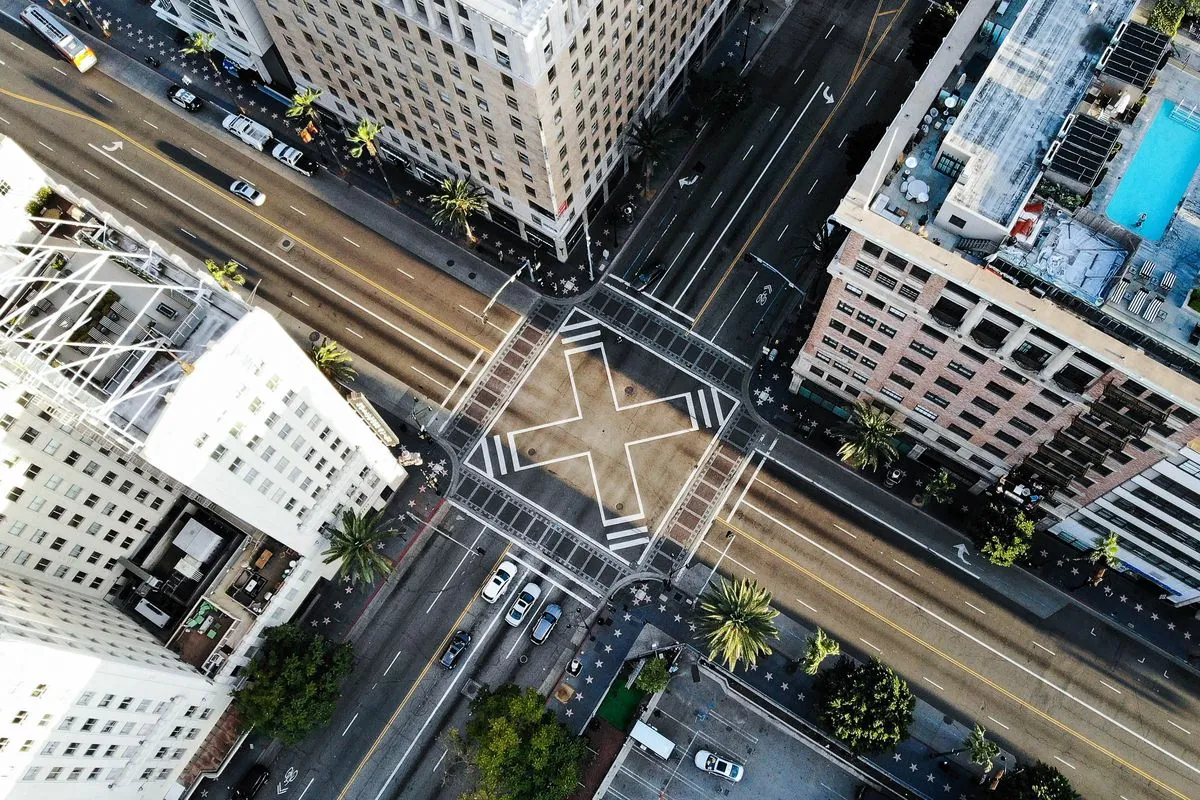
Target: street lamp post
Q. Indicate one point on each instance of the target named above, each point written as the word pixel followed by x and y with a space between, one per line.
pixel 484 314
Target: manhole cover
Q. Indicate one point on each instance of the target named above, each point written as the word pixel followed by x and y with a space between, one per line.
pixel 449 262
pixel 620 506
pixel 471 275
pixel 531 452
pixel 314 336
pixel 630 391
pixel 286 244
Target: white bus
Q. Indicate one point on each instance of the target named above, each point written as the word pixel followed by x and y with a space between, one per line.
pixel 49 28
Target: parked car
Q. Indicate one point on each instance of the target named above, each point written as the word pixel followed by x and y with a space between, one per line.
pixel 456 648
pixel 647 275
pixel 247 130
pixel 722 767
pixel 184 99
pixel 551 614
pixel 247 192
pixel 251 783
pixel 290 156
pixel 523 603
pixel 497 585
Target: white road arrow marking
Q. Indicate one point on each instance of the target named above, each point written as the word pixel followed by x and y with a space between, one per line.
pixel 112 148
pixel 827 93
pixel 688 181
pixel 962 553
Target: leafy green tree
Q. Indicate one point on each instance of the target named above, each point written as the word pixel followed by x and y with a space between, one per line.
pixel 356 545
pixel 868 439
pixel 737 620
pixel 926 36
pixel 518 748
pixel 721 94
pixel 867 706
pixel 202 43
pixel 819 647
pixel 981 749
pixel 1005 533
pixel 304 106
pixel 1105 551
pixel 456 203
pixel 654 677
pixel 940 487
pixel 363 139
pixel 1165 16
pixel 333 360
pixel 293 684
pixel 227 274
pixel 648 140
pixel 1039 782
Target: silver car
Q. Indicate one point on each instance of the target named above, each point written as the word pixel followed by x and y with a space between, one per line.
pixel 247 192
pixel 525 601
pixel 551 614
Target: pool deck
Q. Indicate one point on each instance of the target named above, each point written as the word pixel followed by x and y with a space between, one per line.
pixel 1179 248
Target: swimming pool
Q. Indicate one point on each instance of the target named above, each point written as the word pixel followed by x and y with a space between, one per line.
pixel 1157 176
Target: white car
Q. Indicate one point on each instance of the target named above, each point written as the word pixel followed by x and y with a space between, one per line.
pixel 497 585
pixel 525 601
pixel 290 156
pixel 247 192
pixel 715 765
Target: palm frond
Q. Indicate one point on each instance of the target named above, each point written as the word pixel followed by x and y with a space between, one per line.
pixel 737 620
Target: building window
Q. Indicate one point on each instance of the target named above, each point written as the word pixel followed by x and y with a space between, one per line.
pixel 925 412
pixel 949 166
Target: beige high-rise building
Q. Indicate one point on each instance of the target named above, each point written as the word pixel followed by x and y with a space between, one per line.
pixel 528 100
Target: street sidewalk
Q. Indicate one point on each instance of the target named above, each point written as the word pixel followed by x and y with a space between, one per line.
pixel 1057 573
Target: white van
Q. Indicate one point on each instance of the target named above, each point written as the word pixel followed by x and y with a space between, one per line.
pixel 647 737
pixel 247 130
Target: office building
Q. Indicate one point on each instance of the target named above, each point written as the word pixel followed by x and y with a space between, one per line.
pixel 241 41
pixel 1016 278
pixel 174 462
pixel 526 99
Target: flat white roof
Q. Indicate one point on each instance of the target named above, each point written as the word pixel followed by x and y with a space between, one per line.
pixel 1034 81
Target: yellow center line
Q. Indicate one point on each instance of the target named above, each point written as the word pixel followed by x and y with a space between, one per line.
pixel 803 157
pixel 412 690
pixel 269 223
pixel 951 659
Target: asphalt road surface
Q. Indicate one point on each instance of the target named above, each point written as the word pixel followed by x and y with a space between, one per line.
pixel 1044 679
pixel 170 171
pixel 774 172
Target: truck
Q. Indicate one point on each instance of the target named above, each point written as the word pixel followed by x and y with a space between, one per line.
pixel 249 131
pixel 649 739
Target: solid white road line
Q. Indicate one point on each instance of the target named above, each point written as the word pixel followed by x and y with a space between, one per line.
pixel 197 152
pixel 1001 724
pixel 420 371
pixel 454 676
pixel 980 642
pixel 868 644
pixel 906 566
pixel 731 559
pixel 747 196
pixel 348 726
pixel 393 663
pixel 298 211
pixel 732 308
pixel 939 686
pixel 466 554
pixel 306 788
pixel 977 608
pixel 278 258
pixel 681 249
pixel 1068 763
pixel 581 600
pixel 1115 689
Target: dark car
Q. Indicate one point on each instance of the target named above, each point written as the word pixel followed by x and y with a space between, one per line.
pixel 551 614
pixel 458 646
pixel 251 783
pixel 647 275
pixel 184 99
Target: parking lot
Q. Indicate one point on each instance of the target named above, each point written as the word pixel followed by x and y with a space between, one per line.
pixel 700 716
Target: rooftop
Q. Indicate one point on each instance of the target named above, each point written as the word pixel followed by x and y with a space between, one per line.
pixel 1035 80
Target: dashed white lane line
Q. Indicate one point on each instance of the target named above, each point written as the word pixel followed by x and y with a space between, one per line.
pixel 782 232
pixel 806 605
pixel 189 233
pixel 1185 730
pixel 872 97
pixel 351 241
pixel 354 332
pixel 298 211
pixel 48 147
pixel 1115 689
pixel 906 566
pixel 899 53
pixel 139 202
pixel 868 644
pixel 301 302
pixel 934 683
pixel 1001 724
pixel 14 44
pixel 810 189
pixel 89 172
pixel 197 152
pixel 977 608
pixel 776 111
pixel 798 77
pixel 1047 649
pixel 718 197
pixel 843 141
pixel 6 122
pixel 831 27
pixel 408 275
pixel 1068 763
pixel 389 666
pixel 729 558
pixel 151 124
pixel 748 152
pixel 351 723
pixel 843 530
pixel 60 72
pixel 105 99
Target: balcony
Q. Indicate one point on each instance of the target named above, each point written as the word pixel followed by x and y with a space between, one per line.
pixel 1072 379
pixel 1030 357
pixel 947 314
pixel 989 335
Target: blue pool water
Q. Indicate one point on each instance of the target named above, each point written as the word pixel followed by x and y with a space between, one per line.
pixel 1157 176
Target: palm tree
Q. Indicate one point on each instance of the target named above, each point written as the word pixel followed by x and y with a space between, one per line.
pixel 304 106
pixel 363 139
pixel 455 204
pixel 202 43
pixel 648 140
pixel 820 646
pixel 225 274
pixel 357 544
pixel 1105 550
pixel 334 361
pixel 737 620
pixel 940 487
pixel 868 438
pixel 982 750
